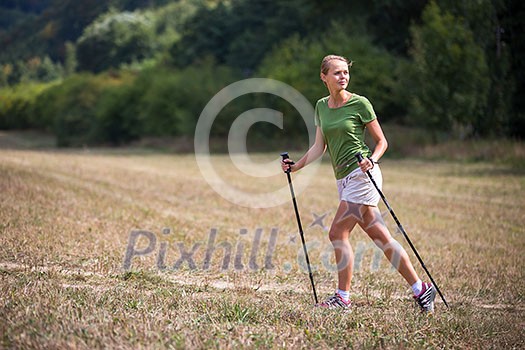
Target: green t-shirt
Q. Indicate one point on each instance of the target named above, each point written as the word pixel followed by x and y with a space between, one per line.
pixel 344 131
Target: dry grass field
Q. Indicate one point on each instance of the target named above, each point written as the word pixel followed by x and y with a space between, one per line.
pixel 68 218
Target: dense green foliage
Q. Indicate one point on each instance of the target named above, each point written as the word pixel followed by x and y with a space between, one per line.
pixel 296 62
pixel 114 39
pixel 125 69
pixel 239 35
pixel 17 106
pixel 446 54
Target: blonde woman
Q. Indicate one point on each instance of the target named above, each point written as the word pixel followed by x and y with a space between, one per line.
pixel 341 119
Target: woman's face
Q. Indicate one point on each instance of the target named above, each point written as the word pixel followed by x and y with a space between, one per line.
pixel 337 77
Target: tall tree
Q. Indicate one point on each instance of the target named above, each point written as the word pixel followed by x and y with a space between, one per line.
pixel 450 73
pixel 389 22
pixel 489 22
pixel 113 39
pixel 514 26
pixel 239 34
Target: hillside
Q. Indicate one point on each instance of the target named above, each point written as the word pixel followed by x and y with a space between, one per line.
pixel 31 28
pixel 111 72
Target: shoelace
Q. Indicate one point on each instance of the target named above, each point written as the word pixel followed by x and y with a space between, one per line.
pixel 334 300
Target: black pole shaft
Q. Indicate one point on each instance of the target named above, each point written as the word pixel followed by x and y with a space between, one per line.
pixel 301 233
pixel 360 157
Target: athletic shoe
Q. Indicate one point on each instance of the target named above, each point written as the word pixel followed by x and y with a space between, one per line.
pixel 425 299
pixel 335 301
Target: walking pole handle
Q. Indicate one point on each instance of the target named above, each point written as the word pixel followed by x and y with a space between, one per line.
pixel 285 156
pixel 359 157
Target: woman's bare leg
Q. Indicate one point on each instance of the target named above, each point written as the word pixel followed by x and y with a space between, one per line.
pixel 376 229
pixel 345 219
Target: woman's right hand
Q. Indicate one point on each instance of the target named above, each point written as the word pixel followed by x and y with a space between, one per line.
pixel 288 164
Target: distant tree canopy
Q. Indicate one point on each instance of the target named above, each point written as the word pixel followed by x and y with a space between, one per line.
pixel 239 35
pixel 446 54
pixel 113 71
pixel 26 6
pixel 113 39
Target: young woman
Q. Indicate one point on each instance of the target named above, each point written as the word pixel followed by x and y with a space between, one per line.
pixel 341 119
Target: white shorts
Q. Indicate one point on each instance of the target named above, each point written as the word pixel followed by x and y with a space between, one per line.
pixel 357 188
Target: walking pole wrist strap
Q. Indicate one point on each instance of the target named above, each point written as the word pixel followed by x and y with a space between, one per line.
pixel 373 161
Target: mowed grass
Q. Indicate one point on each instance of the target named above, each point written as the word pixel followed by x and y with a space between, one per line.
pixel 66 220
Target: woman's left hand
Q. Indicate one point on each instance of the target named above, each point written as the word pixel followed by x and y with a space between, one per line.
pixel 366 164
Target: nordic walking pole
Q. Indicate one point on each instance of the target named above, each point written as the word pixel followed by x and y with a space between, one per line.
pixel 359 157
pixel 284 155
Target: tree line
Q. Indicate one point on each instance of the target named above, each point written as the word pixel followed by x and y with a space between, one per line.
pixel 113 72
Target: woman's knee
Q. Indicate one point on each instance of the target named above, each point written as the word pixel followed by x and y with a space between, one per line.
pixel 337 233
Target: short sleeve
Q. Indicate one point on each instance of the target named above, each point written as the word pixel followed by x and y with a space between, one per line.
pixel 367 114
pixel 317 120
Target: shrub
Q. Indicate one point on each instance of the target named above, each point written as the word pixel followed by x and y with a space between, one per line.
pixel 117 120
pixel 70 108
pixel 172 100
pixel 17 105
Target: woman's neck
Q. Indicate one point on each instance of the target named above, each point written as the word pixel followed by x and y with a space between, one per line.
pixel 339 98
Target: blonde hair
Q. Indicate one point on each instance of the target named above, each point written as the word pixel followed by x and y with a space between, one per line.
pixel 325 63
